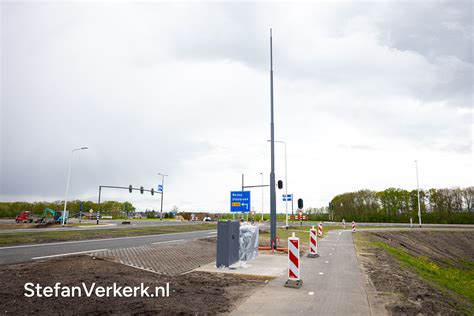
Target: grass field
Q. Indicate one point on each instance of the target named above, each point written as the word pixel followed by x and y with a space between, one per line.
pixel 18 238
pixel 458 280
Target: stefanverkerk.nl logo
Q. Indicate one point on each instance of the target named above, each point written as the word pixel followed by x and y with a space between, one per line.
pixel 59 290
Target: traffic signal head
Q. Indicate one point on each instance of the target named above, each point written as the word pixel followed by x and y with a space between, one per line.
pixel 141 189
pixel 300 204
pixel 130 188
pixel 152 191
pixel 280 184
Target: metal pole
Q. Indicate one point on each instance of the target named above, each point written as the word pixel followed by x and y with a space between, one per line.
pixel 162 189
pixel 292 207
pixel 418 193
pixel 67 189
pixel 272 154
pixel 67 184
pixel 286 187
pixel 261 173
pixel 80 211
pixel 98 204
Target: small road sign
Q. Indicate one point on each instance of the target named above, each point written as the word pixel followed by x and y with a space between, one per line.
pixel 240 201
pixel 287 197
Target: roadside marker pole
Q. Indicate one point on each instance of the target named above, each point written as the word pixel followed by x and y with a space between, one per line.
pixel 313 244
pixel 353 226
pixel 320 229
pixel 294 277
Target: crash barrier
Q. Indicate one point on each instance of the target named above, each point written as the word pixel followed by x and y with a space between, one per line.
pixel 320 229
pixel 294 277
pixel 353 226
pixel 248 242
pixel 313 243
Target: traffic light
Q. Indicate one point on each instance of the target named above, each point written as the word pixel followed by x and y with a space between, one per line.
pixel 130 188
pixel 300 204
pixel 152 191
pixel 141 189
pixel 280 184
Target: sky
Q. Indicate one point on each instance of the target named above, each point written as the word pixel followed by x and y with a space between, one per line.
pixel 361 91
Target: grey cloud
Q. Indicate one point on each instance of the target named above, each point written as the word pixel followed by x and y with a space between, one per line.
pixel 183 88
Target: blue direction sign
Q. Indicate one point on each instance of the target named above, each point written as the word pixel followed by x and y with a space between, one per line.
pixel 288 197
pixel 240 201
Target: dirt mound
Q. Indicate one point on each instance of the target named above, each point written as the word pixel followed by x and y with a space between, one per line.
pixel 435 245
pixel 195 293
pixel 396 290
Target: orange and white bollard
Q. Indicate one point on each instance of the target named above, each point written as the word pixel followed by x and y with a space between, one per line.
pixel 294 276
pixel 353 226
pixel 320 229
pixel 313 244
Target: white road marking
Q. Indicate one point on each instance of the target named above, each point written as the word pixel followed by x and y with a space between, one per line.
pixel 69 254
pixel 321 273
pixel 340 233
pixel 95 240
pixel 326 261
pixel 330 254
pixel 310 293
pixel 168 241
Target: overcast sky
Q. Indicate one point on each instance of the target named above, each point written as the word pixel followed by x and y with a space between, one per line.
pixel 362 89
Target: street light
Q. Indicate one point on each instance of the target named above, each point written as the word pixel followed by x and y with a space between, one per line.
pixel 67 184
pixel 261 173
pixel 162 190
pixel 272 156
pixel 418 193
pixel 286 181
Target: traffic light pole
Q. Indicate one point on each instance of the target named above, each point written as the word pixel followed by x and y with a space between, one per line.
pixel 162 190
pixel 130 188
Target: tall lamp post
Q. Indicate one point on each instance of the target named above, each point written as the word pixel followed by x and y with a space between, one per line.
pixel 67 184
pixel 286 182
pixel 162 190
pixel 261 173
pixel 272 156
pixel 418 193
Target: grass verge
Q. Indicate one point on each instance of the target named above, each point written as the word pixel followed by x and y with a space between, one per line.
pixel 460 281
pixel 9 239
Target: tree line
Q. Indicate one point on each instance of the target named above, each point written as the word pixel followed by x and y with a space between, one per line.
pixel 110 208
pixel 443 206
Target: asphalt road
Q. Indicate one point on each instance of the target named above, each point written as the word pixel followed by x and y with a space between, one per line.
pixel 332 285
pixel 21 253
pixel 103 224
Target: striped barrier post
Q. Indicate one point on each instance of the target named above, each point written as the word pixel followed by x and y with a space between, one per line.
pixel 320 229
pixel 313 244
pixel 294 277
pixel 353 226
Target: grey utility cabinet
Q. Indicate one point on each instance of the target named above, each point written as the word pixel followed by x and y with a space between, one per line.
pixel 228 244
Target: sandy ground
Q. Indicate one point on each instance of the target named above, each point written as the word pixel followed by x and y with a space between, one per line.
pixel 394 290
pixel 196 293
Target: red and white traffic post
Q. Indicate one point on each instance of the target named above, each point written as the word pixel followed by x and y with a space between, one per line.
pixel 294 275
pixel 313 244
pixel 320 229
pixel 353 226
